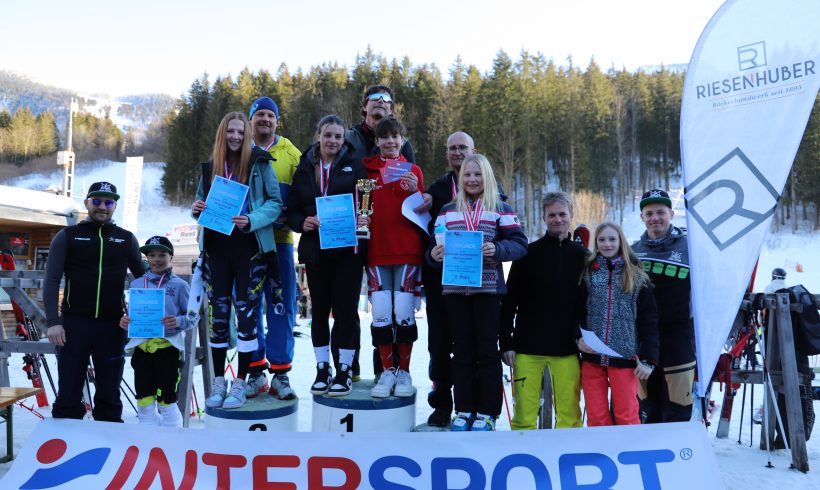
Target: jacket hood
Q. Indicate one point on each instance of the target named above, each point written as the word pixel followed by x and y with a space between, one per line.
pixel 307 162
pixel 672 235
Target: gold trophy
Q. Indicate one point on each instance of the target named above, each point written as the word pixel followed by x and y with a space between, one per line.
pixel 365 186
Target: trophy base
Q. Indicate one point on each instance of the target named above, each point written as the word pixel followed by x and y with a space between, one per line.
pixel 362 234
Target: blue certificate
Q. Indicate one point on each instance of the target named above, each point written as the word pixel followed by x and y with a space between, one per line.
pixel 224 201
pixel 337 221
pixel 146 307
pixel 463 262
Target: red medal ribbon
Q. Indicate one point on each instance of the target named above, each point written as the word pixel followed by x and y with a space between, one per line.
pixel 472 217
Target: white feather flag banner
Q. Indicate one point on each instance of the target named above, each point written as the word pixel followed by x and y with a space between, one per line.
pixel 749 89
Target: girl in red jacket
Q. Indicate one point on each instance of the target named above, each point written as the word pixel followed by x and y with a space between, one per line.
pixel 394 256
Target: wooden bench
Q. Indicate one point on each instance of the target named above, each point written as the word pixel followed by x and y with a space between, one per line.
pixel 8 397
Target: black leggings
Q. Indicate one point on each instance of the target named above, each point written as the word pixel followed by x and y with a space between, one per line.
pixel 235 270
pixel 476 362
pixel 334 282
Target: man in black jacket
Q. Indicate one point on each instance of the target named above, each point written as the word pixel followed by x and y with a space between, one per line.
pixel 667 395
pixel 93 255
pixel 377 104
pixel 439 338
pixel 540 316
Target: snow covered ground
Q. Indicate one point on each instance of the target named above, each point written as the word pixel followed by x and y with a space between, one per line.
pixel 742 467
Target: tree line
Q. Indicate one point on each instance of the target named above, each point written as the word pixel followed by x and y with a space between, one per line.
pixel 24 136
pixel 543 125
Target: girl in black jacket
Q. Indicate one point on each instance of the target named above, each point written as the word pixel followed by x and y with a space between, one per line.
pixel 334 275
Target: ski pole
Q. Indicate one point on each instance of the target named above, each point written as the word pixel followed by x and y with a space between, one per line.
pixel 506 404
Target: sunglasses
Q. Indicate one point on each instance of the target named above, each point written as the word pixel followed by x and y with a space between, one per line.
pixel 384 97
pixel 109 203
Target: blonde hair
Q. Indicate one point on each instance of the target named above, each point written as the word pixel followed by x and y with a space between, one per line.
pixel 490 199
pixel 633 275
pixel 220 153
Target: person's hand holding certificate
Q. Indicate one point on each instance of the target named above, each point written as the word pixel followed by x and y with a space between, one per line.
pixel 463 261
pixel 146 307
pixel 337 218
pixel 225 200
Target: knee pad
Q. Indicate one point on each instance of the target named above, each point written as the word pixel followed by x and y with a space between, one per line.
pixel 407 334
pixel 382 334
pixel 382 303
pixel 404 308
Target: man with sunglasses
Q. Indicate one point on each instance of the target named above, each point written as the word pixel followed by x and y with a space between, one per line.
pixel 377 104
pixel 93 255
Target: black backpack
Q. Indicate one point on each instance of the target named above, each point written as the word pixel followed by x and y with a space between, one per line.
pixel 805 323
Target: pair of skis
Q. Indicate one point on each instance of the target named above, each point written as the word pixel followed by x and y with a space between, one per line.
pixel 26 330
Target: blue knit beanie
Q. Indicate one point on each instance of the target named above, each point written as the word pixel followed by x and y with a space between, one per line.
pixel 263 103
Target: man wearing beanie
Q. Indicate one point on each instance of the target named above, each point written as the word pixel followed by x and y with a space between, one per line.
pixel 667 395
pixel 93 255
pixel 276 346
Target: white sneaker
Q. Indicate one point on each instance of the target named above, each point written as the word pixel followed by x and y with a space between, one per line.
pixel 257 384
pixel 219 386
pixel 280 387
pixel 404 384
pixel 171 416
pixel 384 388
pixel 236 397
pixel 148 415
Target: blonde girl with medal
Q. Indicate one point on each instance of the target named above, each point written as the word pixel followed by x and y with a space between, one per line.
pixel 236 264
pixel 474 312
pixel 334 275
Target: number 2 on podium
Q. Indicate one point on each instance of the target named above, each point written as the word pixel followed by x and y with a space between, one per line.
pixel 348 420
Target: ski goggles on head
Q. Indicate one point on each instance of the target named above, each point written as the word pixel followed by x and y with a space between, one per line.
pixel 109 203
pixel 381 95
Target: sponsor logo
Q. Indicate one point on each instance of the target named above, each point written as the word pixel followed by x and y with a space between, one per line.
pixel 82 238
pixel 756 81
pixel 347 169
pixel 676 256
pixel 751 56
pixel 105 187
pixel 730 199
pixel 155 466
pixel 115 240
pixel 154 241
pixel 89 462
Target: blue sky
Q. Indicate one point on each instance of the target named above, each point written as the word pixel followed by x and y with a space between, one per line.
pixel 161 46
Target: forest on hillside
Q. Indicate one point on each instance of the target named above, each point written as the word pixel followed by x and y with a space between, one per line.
pixel 611 133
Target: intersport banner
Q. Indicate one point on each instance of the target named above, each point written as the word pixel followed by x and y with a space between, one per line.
pixel 749 89
pixel 76 454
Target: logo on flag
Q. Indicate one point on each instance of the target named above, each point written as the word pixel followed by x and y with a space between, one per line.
pixel 717 200
pixel 751 56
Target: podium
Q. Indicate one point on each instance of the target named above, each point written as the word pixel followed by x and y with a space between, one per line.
pixel 359 412
pixel 264 412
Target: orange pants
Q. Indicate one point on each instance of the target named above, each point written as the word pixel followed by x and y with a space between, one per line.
pixel 597 381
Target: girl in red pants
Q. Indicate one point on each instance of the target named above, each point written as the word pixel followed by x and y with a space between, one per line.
pixel 621 312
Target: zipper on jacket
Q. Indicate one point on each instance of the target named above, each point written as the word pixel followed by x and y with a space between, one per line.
pixel 99 275
pixel 68 293
pixel 608 311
